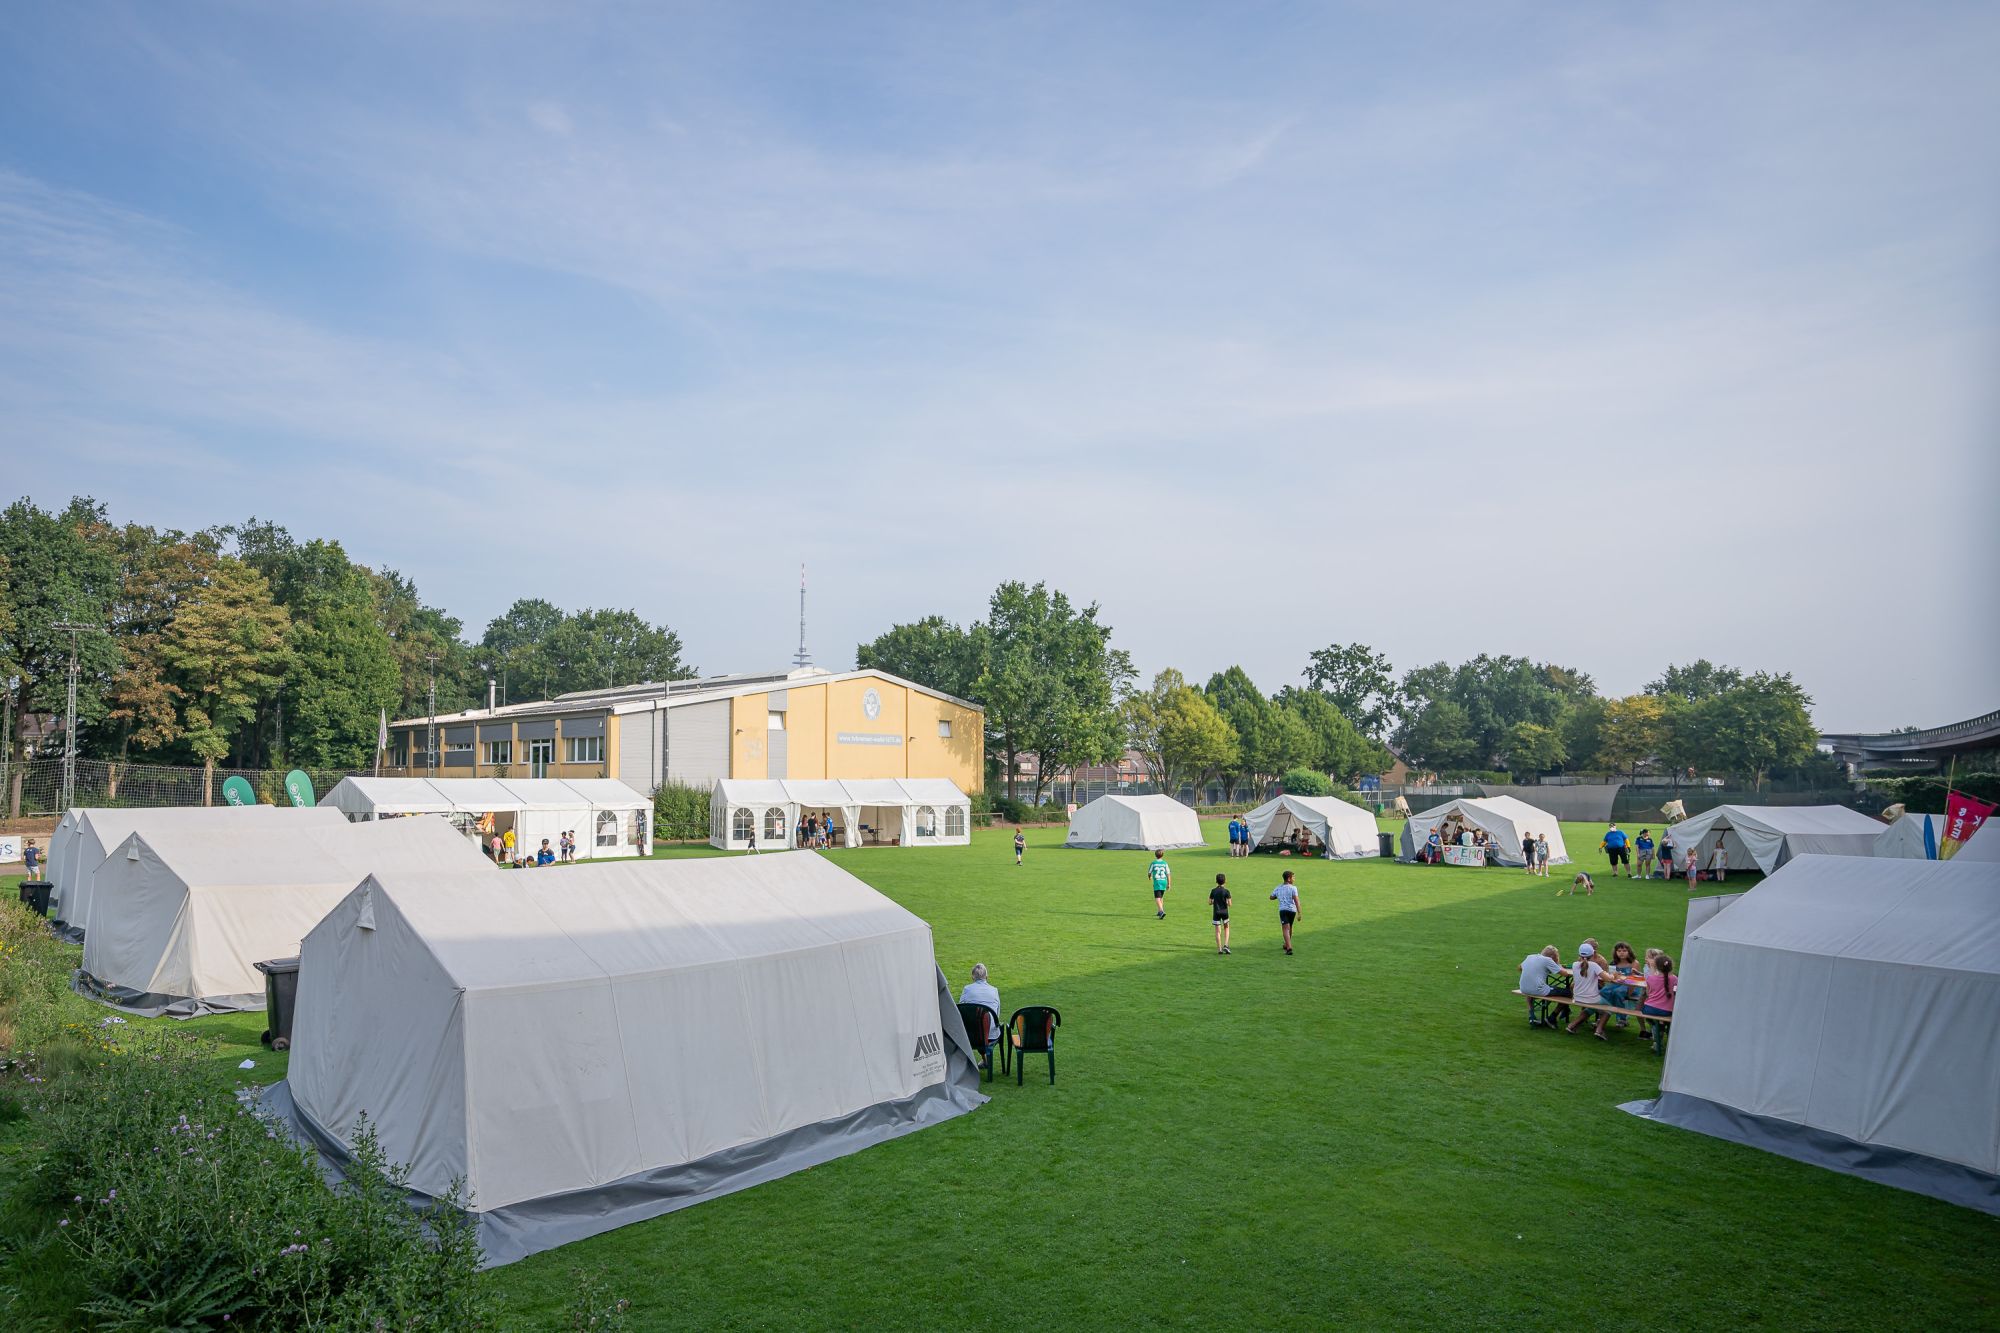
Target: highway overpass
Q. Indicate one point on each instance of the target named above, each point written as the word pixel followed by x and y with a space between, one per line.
pixel 1932 747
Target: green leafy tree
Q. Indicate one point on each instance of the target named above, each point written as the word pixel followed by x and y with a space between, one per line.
pixel 1336 745
pixel 59 566
pixel 1763 723
pixel 516 649
pixel 1050 682
pixel 932 652
pixel 1180 736
pixel 1306 782
pixel 159 573
pixel 600 649
pixel 1249 715
pixel 1534 748
pixel 1699 680
pixel 1582 727
pixel 1359 682
pixel 1633 731
pixel 1442 736
pixel 225 650
pixel 422 640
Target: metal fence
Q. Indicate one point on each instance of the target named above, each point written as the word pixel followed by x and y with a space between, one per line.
pixel 33 787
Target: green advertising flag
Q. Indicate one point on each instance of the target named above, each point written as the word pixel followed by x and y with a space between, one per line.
pixel 299 787
pixel 236 791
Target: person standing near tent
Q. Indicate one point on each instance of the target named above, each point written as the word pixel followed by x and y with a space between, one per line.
pixel 1163 879
pixel 1693 870
pixel 1644 847
pixel 1433 847
pixel 1615 848
pixel 31 857
pixel 1718 862
pixel 1287 897
pixel 1218 898
pixel 1542 855
pixel 1667 854
pixel 1235 834
pixel 1528 852
pixel 1020 845
pixel 507 840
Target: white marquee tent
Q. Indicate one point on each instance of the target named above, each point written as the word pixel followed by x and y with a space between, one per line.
pixel 590 1049
pixel 1342 831
pixel 906 812
pixel 608 817
pixel 1912 837
pixel 1846 1012
pixel 1767 836
pixel 1982 847
pixel 1505 819
pixel 95 833
pixel 181 915
pixel 1133 823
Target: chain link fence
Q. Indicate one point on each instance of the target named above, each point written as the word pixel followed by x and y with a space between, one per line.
pixel 33 788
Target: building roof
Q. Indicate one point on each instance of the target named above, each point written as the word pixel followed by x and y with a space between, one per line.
pixel 649 696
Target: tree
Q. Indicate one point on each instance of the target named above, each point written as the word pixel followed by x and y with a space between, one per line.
pixel 1763 723
pixel 1581 728
pixel 60 566
pixel 1534 748
pixel 226 650
pixel 932 652
pixel 1696 682
pixel 1495 694
pixel 1441 736
pixel 515 649
pixel 1334 743
pixel 1049 682
pixel 599 649
pixel 1178 733
pixel 1307 782
pixel 1634 730
pixel 1249 715
pixel 417 635
pixel 159 573
pixel 1359 682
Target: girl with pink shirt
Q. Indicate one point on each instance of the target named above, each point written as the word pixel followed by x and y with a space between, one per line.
pixel 1661 987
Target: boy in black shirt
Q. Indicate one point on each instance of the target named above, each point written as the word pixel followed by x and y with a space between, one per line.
pixel 1218 898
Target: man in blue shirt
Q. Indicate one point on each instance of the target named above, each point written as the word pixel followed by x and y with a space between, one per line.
pixel 1235 835
pixel 1615 848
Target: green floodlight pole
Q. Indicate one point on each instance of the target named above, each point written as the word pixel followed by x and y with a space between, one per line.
pixel 68 794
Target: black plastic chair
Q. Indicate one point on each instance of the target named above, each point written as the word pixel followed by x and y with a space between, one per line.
pixel 1032 1031
pixel 982 1028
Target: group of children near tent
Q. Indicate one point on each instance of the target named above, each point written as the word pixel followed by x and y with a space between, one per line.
pixel 1220 900
pixel 815 833
pixel 1299 844
pixel 502 850
pixel 1664 861
pixel 1592 979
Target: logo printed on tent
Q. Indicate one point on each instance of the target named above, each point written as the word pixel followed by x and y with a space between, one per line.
pixel 927 1044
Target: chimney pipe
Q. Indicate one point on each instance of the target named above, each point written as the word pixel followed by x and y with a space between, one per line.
pixel 490 687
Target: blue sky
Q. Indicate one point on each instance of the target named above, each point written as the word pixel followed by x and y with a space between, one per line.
pixel 1606 334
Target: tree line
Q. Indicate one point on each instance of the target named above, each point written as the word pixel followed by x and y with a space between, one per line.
pixel 1056 690
pixel 244 644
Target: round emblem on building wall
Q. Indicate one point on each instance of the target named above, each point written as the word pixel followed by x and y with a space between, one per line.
pixel 871 704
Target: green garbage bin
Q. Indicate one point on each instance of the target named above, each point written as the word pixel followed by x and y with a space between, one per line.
pixel 281 992
pixel 35 893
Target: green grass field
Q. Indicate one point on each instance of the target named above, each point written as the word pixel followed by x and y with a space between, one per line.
pixel 1366 1134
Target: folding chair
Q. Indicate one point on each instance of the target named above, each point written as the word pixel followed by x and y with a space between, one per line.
pixel 1032 1031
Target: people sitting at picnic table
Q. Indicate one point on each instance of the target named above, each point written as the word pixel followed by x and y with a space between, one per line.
pixel 1661 987
pixel 1302 840
pixel 1541 975
pixel 1627 981
pixel 1586 976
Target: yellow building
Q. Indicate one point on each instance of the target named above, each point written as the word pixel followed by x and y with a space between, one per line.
pixel 803 724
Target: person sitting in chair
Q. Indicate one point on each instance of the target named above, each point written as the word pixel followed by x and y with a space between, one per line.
pixel 981 991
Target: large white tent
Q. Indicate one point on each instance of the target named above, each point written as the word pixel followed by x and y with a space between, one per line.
pixel 1846 1012
pixel 182 914
pixel 1767 836
pixel 593 1048
pixel 906 812
pixel 1912 837
pixel 608 817
pixel 1505 820
pixel 1133 823
pixel 1337 828
pixel 1982 847
pixel 96 832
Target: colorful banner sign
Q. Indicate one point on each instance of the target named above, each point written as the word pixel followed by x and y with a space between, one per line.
pixel 1963 816
pixel 299 787
pixel 236 791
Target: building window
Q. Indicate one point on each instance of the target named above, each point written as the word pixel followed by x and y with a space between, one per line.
pixel 493 754
pixel 944 728
pixel 926 822
pixel 458 754
pixel 954 821
pixel 774 826
pixel 583 749
pixel 742 824
pixel 607 828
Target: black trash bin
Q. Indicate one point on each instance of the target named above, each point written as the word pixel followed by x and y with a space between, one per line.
pixel 281 992
pixel 35 893
pixel 1389 845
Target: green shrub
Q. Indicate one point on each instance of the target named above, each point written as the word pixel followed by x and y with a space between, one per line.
pixel 1306 782
pixel 680 811
pixel 1925 793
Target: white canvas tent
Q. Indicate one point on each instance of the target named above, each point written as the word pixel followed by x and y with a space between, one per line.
pixel 1131 823
pixel 95 833
pixel 181 915
pixel 1846 1012
pixel 1767 836
pixel 1505 820
pixel 1911 837
pixel 906 812
pixel 608 817
pixel 1340 830
pixel 1982 847
pixel 590 1049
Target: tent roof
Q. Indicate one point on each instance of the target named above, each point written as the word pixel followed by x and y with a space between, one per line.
pixel 1512 809
pixel 541 793
pixel 608 793
pixel 1982 847
pixel 114 824
pixel 1155 803
pixel 1330 807
pixel 266 853
pixel 752 791
pixel 389 796
pixel 845 791
pixel 1931 914
pixel 934 791
pixel 607 919
pixel 1788 819
pixel 402 796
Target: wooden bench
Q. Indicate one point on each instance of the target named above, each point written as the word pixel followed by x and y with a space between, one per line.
pixel 1546 1000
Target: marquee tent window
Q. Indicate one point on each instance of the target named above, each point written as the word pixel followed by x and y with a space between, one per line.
pixel 954 821
pixel 860 811
pixel 774 825
pixel 534 808
pixel 607 828
pixel 926 822
pixel 742 824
